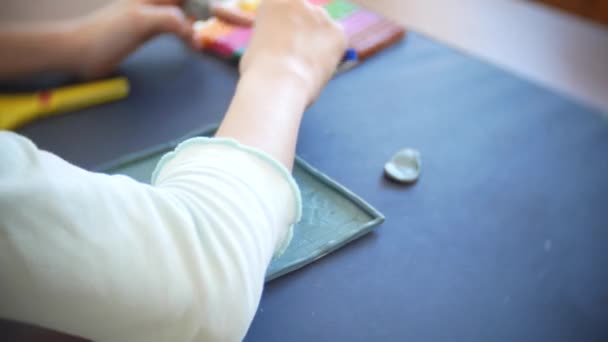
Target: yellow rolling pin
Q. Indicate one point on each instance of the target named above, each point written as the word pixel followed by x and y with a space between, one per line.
pixel 19 109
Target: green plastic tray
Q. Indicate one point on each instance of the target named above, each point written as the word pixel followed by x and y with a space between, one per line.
pixel 332 215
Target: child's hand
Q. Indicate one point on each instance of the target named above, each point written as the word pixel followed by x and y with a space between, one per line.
pixel 104 38
pixel 299 37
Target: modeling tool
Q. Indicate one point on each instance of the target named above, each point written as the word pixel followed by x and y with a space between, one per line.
pixel 17 110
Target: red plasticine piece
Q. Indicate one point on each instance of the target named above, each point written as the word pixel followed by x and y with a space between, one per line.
pixel 44 97
pixel 221 48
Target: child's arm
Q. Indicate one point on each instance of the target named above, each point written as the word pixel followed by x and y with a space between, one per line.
pixel 90 46
pixel 34 48
pixel 110 259
pixel 281 76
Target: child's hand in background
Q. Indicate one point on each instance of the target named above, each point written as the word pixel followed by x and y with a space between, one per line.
pixel 105 37
pixel 298 37
pixel 89 46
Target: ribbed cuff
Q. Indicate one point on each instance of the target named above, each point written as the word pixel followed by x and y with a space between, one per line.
pixel 253 152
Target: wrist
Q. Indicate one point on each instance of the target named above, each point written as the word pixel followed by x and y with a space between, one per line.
pixel 285 71
pixel 267 108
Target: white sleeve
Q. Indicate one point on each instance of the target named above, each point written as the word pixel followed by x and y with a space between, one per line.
pixel 111 259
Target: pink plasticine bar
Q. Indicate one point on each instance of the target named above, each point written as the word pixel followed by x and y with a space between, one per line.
pixel 238 38
pixel 376 38
pixel 318 2
pixel 358 22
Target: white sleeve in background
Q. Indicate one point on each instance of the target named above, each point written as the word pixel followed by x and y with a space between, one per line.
pixel 111 259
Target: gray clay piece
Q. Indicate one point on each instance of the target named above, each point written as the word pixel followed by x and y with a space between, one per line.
pixel 404 166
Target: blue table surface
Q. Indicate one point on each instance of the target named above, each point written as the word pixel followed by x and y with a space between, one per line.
pixel 502 239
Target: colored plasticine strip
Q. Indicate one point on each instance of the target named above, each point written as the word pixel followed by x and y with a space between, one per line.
pixel 349 61
pixel 239 38
pixel 238 54
pixel 236 40
pixel 376 38
pixel 211 30
pixel 223 50
pixel 358 22
pixel 340 9
pixel 350 55
pixel 367 32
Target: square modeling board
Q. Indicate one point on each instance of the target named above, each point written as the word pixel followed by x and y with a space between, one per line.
pixel 332 215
